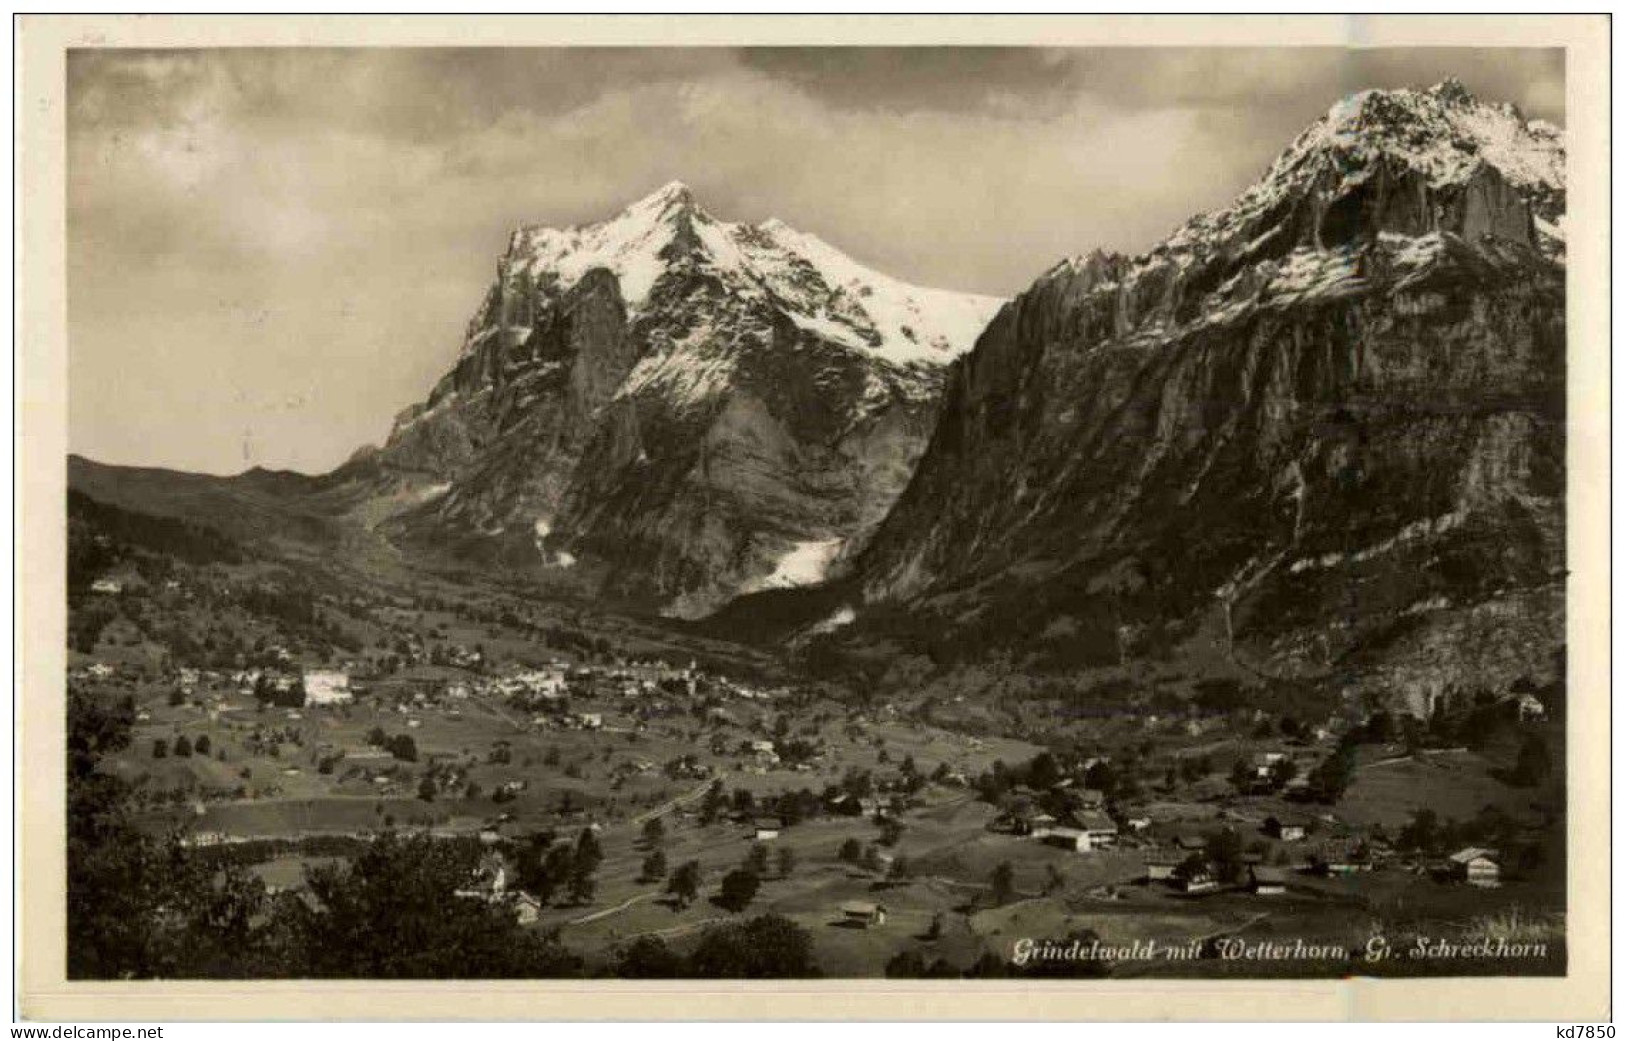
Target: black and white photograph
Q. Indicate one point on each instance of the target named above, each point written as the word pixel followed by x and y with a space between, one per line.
pixel 936 513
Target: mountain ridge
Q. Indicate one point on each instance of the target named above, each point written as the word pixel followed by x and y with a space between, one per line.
pixel 1359 362
pixel 685 408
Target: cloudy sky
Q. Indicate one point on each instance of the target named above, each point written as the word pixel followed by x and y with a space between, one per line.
pixel 271 252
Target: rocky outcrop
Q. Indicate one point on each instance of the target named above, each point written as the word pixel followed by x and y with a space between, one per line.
pixel 1330 414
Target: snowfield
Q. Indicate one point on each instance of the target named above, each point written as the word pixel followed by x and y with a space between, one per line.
pixel 817 286
pixel 806 564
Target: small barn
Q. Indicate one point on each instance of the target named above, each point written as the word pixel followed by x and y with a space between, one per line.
pixel 1193 879
pixel 1160 870
pixel 1476 867
pixel 1066 838
pixel 1099 831
pixel 1266 881
pixel 1287 830
pixel 863 913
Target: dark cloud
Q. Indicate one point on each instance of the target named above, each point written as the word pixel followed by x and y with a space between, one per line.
pixel 965 78
pixel 916 78
pixel 402 92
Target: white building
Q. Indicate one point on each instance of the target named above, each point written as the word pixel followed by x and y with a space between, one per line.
pixel 1530 709
pixel 324 687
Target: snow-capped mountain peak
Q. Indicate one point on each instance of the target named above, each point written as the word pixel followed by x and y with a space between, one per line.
pixel 1386 179
pixel 817 286
pixel 679 408
pixel 1444 133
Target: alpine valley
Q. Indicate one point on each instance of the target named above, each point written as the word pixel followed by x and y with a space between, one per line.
pixel 1326 420
pixel 729 608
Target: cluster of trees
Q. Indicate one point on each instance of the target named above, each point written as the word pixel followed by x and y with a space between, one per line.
pixel 546 867
pixel 1222 856
pixel 101 535
pixel 267 692
pixel 287 602
pixel 761 948
pixel 860 855
pixel 1120 781
pixel 1331 776
pixel 291 604
pixel 739 886
pixel 140 907
pixel 401 746
pixel 684 884
pixel 1534 763
pixel 1246 778
pixel 85 624
pixel 1018 630
pixel 183 748
pixel 1430 834
pixel 789 807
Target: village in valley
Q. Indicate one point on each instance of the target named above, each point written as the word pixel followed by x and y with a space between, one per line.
pixel 624 788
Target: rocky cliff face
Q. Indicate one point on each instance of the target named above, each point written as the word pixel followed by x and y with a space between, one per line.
pixel 1326 420
pixel 676 409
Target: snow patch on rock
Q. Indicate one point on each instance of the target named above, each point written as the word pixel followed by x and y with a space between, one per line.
pixel 806 564
pixel 842 616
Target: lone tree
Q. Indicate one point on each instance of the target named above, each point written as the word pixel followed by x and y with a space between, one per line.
pixel 582 887
pixel 739 889
pixel 589 854
pixel 1534 762
pixel 160 749
pixel 183 747
pixel 202 745
pixel 1224 854
pixel 851 851
pixel 787 861
pixel 1054 882
pixel 1004 882
pixel 584 861
pixel 1422 833
pixel 756 860
pixel 654 832
pixel 685 883
pixel 402 747
pixel 654 866
pixel 712 805
pixel 1330 779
